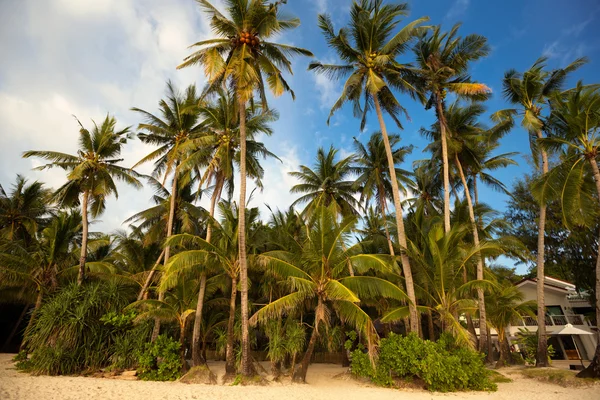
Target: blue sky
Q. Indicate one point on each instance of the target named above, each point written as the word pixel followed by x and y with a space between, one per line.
pixel 90 57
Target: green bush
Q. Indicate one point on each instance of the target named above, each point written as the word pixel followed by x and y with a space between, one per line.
pixel 160 360
pixel 128 340
pixel 68 335
pixel 442 365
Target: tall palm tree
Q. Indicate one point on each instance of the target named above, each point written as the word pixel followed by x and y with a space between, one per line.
pixel 177 132
pixel 467 134
pixel 219 154
pixel 24 210
pixel 443 62
pixel 368 48
pixel 328 184
pixel 505 306
pixel 91 174
pixel 574 125
pixel 241 55
pixel 373 179
pixel 317 276
pixel 529 92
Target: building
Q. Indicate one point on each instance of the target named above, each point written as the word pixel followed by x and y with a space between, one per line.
pixel 564 305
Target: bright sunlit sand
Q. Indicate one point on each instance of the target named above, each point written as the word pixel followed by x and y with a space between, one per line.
pixel 325 381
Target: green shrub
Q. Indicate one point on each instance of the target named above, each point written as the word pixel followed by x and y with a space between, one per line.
pixel 128 340
pixel 68 335
pixel 160 360
pixel 442 365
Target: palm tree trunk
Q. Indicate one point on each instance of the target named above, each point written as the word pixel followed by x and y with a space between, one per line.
pixel 446 168
pixel 431 330
pixel 229 353
pixel 150 276
pixel 410 288
pixel 197 358
pixel 300 375
pixel 541 358
pixel 84 237
pixel 182 346
pixel 483 334
pixel 161 294
pixel 593 370
pixel 504 350
pixel 383 207
pixel 246 362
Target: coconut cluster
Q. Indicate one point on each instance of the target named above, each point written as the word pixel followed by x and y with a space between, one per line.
pixel 371 60
pixel 246 38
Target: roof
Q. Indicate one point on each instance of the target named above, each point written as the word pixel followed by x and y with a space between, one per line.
pixel 550 284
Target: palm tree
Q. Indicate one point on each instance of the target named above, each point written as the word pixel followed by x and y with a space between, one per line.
pixel 329 184
pixel 442 258
pixel 219 155
pixel 529 92
pixel 370 63
pixel 505 306
pixel 242 55
pixel 373 176
pixel 91 174
pixel 574 124
pixel 177 306
pixel 177 132
pixel 24 210
pixel 427 188
pixel 220 254
pixel 34 271
pixel 318 278
pixel 443 61
pixel 153 221
pixel 467 134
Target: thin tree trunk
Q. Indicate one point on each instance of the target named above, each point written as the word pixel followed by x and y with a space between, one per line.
pixel 483 333
pixel 504 350
pixel 541 358
pixel 408 278
pixel 150 276
pixel 431 330
pixel 593 370
pixel 446 170
pixel 383 207
pixel 229 352
pixel 161 294
pixel 84 237
pixel 300 375
pixel 182 347
pixel 247 368
pixel 16 328
pixel 197 358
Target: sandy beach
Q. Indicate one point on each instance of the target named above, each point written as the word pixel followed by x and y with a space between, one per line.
pixel 324 380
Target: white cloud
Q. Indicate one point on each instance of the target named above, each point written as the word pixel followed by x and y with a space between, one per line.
pixel 328 90
pixel 87 58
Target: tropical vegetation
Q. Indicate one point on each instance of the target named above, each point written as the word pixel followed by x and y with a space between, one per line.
pixel 397 265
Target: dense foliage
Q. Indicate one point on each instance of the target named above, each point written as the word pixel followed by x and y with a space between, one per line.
pixel 442 366
pixel 366 245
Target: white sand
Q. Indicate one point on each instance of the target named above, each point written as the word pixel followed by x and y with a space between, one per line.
pixel 322 384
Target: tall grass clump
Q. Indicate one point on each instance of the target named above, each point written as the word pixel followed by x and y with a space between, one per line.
pixel 70 335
